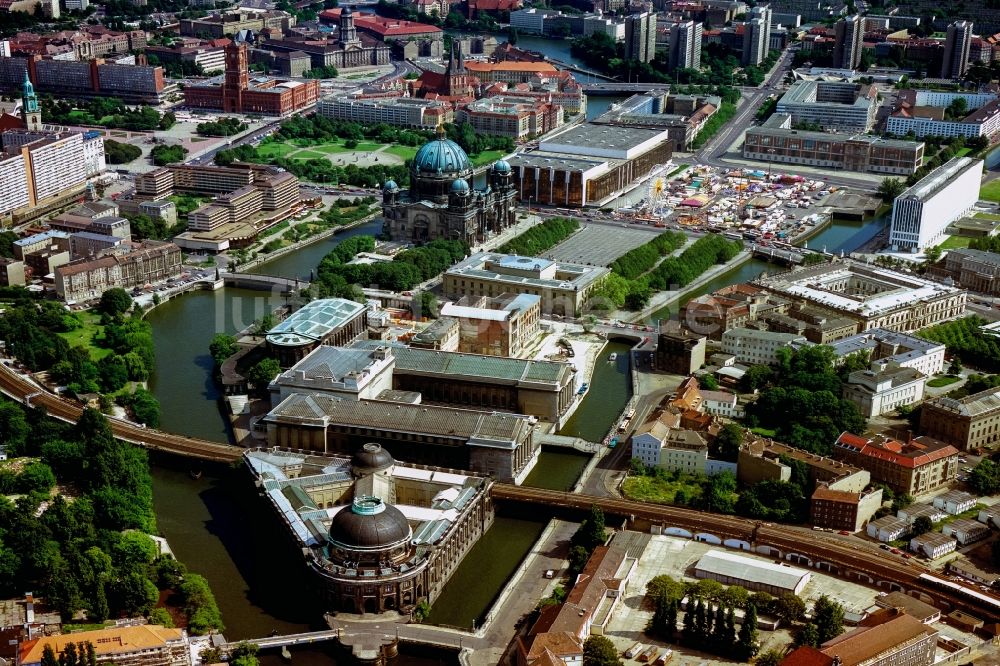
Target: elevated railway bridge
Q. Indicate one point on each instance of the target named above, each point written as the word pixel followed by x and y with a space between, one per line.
pixel 848 557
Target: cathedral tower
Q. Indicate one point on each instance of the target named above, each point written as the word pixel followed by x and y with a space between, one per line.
pixel 31 113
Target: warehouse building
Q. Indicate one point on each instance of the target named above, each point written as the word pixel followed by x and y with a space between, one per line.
pixel 753 574
pixel 588 164
pixel 922 213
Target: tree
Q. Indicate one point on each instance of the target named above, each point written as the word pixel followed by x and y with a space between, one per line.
pixel 244 654
pixel 828 616
pixel 512 36
pixel 115 302
pixel 592 531
pixel 933 254
pixel 264 324
pixel 890 188
pixel 600 651
pixel 770 657
pixel 955 367
pixel 578 556
pixel 729 441
pixel 922 525
pixel 708 383
pixel 789 607
pixel 222 347
pixel 746 641
pixel 49 656
pixel 263 373
pixel 161 617
pixel 756 377
pixel 807 635
pixel 664 621
pixel 116 152
pixel 984 478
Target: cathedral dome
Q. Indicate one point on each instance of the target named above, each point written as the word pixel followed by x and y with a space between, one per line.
pixel 371 458
pixel 501 166
pixel 441 155
pixel 390 186
pixel 459 186
pixel 369 523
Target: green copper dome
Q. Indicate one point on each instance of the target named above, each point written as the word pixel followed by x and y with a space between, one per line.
pixel 441 156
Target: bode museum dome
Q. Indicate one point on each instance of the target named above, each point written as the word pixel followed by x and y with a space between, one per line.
pixel 441 201
pixel 377 534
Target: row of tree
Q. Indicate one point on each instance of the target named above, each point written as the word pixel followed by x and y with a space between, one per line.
pixel 224 126
pixel 965 338
pixel 109 112
pixel 638 260
pixel 542 237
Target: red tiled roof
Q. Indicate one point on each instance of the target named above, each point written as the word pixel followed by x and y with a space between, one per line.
pixel 909 455
pixel 386 27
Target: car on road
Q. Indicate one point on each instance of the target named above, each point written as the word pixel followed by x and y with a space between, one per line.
pixel 549 573
pixel 844 532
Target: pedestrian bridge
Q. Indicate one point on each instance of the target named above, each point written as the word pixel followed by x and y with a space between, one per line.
pixel 264 282
pixel 621 88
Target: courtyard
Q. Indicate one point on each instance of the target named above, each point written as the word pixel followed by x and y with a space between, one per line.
pixel 599 244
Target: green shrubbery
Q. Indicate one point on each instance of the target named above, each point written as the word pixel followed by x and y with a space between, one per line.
pixel 539 239
pixel 637 261
pixel 964 338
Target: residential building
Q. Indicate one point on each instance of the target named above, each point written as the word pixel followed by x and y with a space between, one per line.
pixel 42 170
pixel 956 50
pixel 955 502
pixel 520 118
pixel 673 449
pixel 969 571
pixel 88 78
pixel 761 460
pixel 640 36
pixel 501 326
pixel 923 112
pixel 967 423
pixel 157 184
pixel 755 347
pixel 836 106
pixel 989 516
pixel 564 288
pixel 966 531
pixel 922 213
pixel 721 403
pixel 409 112
pixel 140 645
pixel 888 637
pixel 849 32
pixel 757 35
pixel 872 296
pixel 753 574
pixel 684 51
pixel 127 265
pixel 678 350
pixel 843 510
pixel 893 348
pixel 918 466
pixel 880 391
pixel 774 141
pixel 587 164
pixel 236 92
pixel 888 528
pixel 730 307
pixel 932 545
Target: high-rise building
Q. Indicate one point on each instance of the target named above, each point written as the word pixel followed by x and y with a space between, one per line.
pixel 685 46
pixel 757 35
pixel 921 214
pixel 849 33
pixel 640 36
pixel 956 50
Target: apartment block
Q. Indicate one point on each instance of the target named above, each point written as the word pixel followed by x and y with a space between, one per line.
pixel 919 465
pixel 640 36
pixel 127 266
pixel 843 510
pixel 842 107
pixel 957 44
pixel 849 33
pixel 154 185
pixel 209 179
pixel 684 50
pixel 397 111
pixel 678 350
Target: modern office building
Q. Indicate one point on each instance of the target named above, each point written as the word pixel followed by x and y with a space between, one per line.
pixel 684 51
pixel 837 106
pixel 955 60
pixel 917 466
pixel 409 112
pixel 564 288
pixel 775 142
pixel 849 32
pixel 640 36
pixel 236 92
pixel 873 297
pixel 757 35
pixel 922 213
pixel 588 164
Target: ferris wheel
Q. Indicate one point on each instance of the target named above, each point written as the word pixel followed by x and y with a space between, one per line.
pixel 657 195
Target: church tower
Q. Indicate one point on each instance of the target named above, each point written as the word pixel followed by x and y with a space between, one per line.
pixel 237 78
pixel 348 33
pixel 457 77
pixel 31 113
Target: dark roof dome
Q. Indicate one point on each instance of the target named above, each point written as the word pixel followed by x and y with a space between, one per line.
pixel 369 523
pixel 501 166
pixel 441 155
pixel 346 11
pixel 390 186
pixel 371 458
pixel 459 186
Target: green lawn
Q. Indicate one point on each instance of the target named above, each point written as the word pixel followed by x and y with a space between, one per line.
pixel 486 157
pixel 334 148
pixel 401 151
pixel 659 491
pixel 955 242
pixel 990 191
pixel 938 382
pixel 84 336
pixel 962 152
pixel 274 149
pixel 308 155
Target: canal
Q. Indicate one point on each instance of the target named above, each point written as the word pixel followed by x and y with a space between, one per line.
pixel 298 264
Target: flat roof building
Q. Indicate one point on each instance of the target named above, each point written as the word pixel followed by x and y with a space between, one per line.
pixel 564 288
pixel 753 574
pixel 756 347
pixel 588 164
pixel 967 423
pixel 775 141
pixel 874 297
pixel 843 107
pixel 922 213
pixel 893 348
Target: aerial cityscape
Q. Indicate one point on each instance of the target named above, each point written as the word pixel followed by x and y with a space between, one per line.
pixel 499 332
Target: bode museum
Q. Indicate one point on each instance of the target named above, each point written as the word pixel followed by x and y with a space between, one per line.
pixel 441 202
pixel 378 535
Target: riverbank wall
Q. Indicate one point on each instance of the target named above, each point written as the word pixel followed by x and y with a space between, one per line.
pixel 323 235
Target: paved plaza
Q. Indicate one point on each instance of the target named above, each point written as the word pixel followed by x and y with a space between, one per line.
pixel 599 244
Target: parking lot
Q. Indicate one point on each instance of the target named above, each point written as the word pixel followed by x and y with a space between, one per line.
pixel 599 245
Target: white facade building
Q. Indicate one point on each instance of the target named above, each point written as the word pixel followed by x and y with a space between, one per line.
pixel 531 20
pixel 877 392
pixel 755 347
pixel 399 111
pixel 722 403
pixel 921 214
pixel 887 528
pixel 954 502
pixel 658 445
pixel 57 164
pixel 966 531
pixel 94 161
pixel 13 185
pixel 932 545
pixel 893 348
